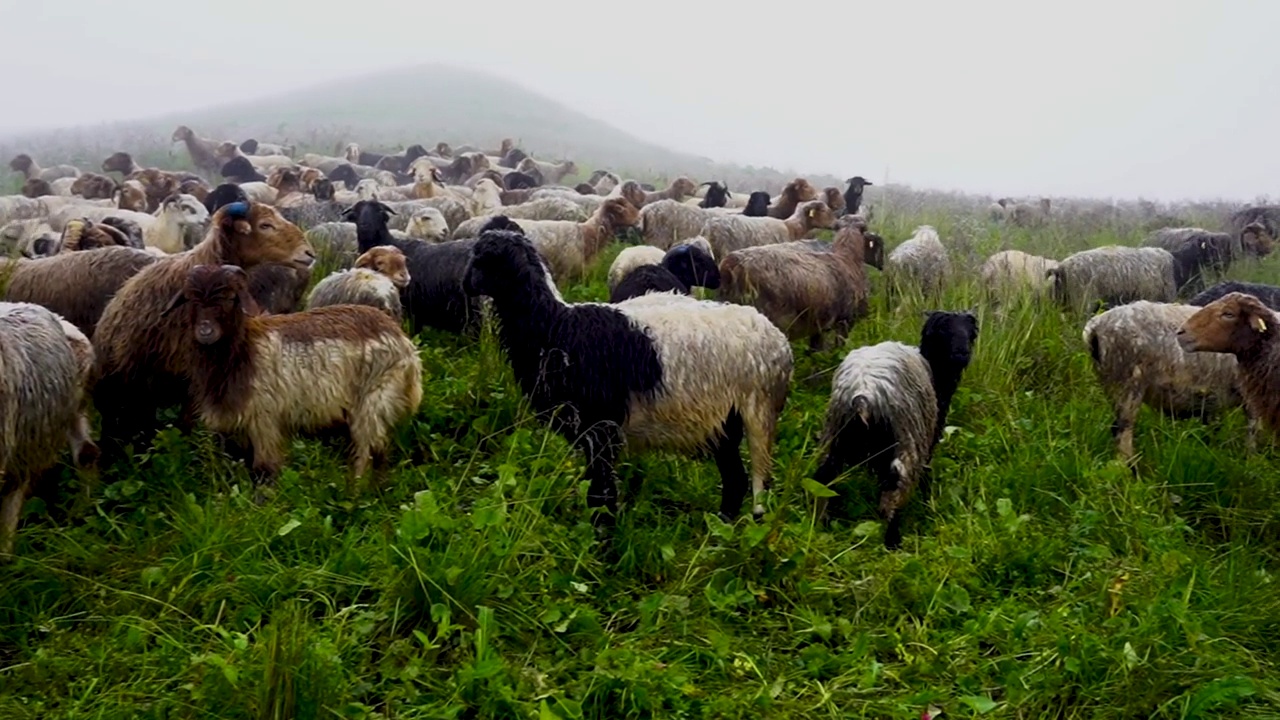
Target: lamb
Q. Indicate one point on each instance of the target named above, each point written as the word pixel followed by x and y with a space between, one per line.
pixel 41 394
pixel 569 247
pixel 1269 295
pixel 93 186
pixel 1116 275
pixel 684 266
pixel 1011 270
pixel 1240 325
pixel 853 194
pixel 76 285
pixel 661 371
pixel 270 376
pixel 803 291
pixel 889 404
pixel 1136 356
pixel 727 233
pixel 143 358
pixel 434 295
pixel 919 263
pixel 376 280
pixel 25 164
pixel 796 192
pixel 202 150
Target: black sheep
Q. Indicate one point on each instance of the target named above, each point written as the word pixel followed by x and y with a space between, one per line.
pixel 683 267
pixel 853 195
pixel 434 295
pixel 717 195
pixel 344 174
pixel 240 170
pixel 1268 294
pixel 757 204
pixel 516 180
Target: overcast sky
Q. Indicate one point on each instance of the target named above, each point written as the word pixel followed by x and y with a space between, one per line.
pixel 1168 100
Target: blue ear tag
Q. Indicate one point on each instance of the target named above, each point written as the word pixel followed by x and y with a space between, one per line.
pixel 237 209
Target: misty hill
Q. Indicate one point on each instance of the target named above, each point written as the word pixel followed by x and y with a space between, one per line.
pixel 422 104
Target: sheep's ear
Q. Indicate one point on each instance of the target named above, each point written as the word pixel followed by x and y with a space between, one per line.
pixel 178 299
pixel 1257 323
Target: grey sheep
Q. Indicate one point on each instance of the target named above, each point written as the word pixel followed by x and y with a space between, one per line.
pixel 1117 274
pixel 667 222
pixel 727 233
pixel 920 263
pixel 41 400
pixel 1138 361
pixel 543 208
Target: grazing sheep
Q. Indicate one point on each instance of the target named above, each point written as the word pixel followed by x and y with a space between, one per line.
pixel 1242 326
pixel 25 164
pixel 920 263
pixel 41 394
pixel 1117 275
pixel 203 151
pixel 376 280
pixel 143 358
pixel 805 292
pixel 757 204
pixel 727 233
pixel 658 371
pixel 434 295
pixel 889 404
pixel 1269 295
pixel 92 186
pixel 1013 270
pixel 75 285
pixel 853 194
pixel 685 266
pixel 1138 361
pixel 569 247
pixel 29 238
pixel 270 376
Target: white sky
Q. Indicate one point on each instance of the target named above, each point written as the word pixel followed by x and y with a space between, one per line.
pixel 1167 100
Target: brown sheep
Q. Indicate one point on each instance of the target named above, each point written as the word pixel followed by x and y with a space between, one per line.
pixel 92 186
pixel 202 150
pixel 1256 240
pixel 804 290
pixel 35 187
pixel 727 232
pixel 1243 326
pixel 834 199
pixel 121 162
pixel 269 376
pixel 678 190
pixel 84 234
pixel 143 358
pixel 132 195
pixel 797 191
pixel 78 285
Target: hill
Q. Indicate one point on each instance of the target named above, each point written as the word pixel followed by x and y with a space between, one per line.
pixel 392 109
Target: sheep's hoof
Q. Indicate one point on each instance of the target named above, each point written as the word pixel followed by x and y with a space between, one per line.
pixel 757 513
pixel 725 517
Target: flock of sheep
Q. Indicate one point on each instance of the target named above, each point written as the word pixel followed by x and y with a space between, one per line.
pixel 150 289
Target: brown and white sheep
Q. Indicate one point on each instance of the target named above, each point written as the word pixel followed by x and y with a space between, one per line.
pixel 376 280
pixel 568 247
pixel 270 376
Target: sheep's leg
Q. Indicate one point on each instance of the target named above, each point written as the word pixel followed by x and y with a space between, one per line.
pixel 760 443
pixel 733 476
pixel 268 457
pixel 895 488
pixel 1251 439
pixel 86 454
pixel 601 444
pixel 1122 428
pixel 10 509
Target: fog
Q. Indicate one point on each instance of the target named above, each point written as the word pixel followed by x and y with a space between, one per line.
pixel 1163 100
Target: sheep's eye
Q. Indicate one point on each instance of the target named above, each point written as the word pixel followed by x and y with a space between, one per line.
pixel 266 226
pixel 1228 316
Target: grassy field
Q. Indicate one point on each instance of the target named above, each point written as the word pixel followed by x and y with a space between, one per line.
pixel 1038 579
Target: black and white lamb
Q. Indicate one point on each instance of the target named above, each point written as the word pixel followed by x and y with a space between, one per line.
pixel 889 404
pixel 658 371
pixel 684 266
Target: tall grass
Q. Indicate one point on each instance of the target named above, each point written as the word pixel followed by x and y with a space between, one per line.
pixel 1039 578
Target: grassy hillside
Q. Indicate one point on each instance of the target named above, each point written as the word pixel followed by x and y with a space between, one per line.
pixel 391 110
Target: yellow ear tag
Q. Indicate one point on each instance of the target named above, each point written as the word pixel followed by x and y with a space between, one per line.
pixel 812 211
pixel 1259 324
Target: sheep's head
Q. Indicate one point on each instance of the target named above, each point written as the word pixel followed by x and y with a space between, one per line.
pixel 683 187
pixel 121 162
pixel 226 150
pixel 800 190
pixel 949 337
pixel 254 234
pixel 633 192
pixel 346 175
pixel 618 214
pixel 35 187
pixel 249 147
pixel 308 177
pixel 443 150
pixel 183 133
pixel 693 266
pixel 92 186
pixel 386 260
pixel 224 194
pixel 368 214
pixel 21 163
pixel 428 224
pixel 571 168
pixel 757 204
pixel 131 195
pixel 217 298
pixel 323 189
pixel 1256 240
pixel 503 263
pixel 834 198
pixel 857 182
pixel 352 153
pixel 367 189
pixel 815 214
pixel 1236 323
pixel 487 186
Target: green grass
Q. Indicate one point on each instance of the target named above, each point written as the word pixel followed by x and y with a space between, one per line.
pixel 1038 579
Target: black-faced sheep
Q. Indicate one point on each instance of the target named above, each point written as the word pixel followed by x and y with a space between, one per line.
pixel 679 269
pixel 270 376
pixel 757 204
pixel 143 359
pixel 802 291
pixel 658 371
pixel 853 194
pixel 1136 356
pixel 41 395
pixel 717 195
pixel 376 280
pixel 889 405
pixel 1268 294
pixel 434 296
pixel 727 233
pixel 1242 326
pixel 240 170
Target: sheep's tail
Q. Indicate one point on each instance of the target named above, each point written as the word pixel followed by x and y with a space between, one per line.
pixel 1094 342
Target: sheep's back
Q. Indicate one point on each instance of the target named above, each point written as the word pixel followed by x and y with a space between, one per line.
pixel 39 389
pixel 667 222
pixel 896 383
pixel 799 289
pixel 1117 274
pixel 727 233
pixel 77 286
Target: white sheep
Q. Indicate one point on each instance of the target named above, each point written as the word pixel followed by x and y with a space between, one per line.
pixel 920 263
pixel 427 224
pixel 166 230
pixel 1011 270
pixel 546 208
pixel 727 233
